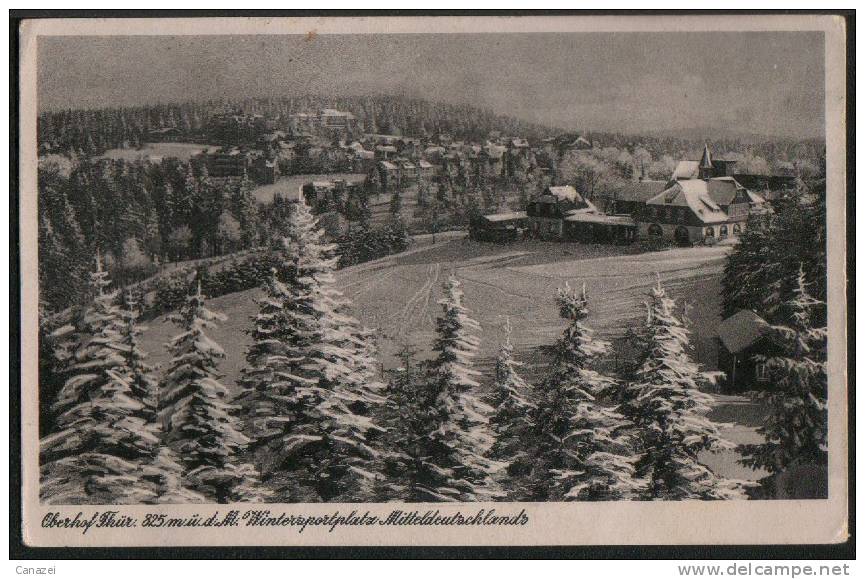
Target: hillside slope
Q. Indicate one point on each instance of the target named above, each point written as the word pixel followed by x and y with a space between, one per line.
pixel 398 295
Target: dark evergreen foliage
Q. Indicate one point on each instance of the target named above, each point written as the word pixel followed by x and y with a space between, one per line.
pixel 582 448
pixel 796 427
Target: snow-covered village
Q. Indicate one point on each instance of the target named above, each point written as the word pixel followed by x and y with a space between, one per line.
pixel 431 270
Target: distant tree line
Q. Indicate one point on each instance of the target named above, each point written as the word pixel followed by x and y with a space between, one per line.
pixel 93 131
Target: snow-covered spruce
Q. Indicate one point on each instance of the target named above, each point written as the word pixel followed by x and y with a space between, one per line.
pixel 512 418
pixel 760 273
pixel 796 425
pixel 582 449
pixel 200 426
pixel 745 273
pixel 266 375
pixel 666 404
pixel 162 467
pixel 442 455
pixel 145 386
pixel 403 418
pixel 312 394
pixel 106 446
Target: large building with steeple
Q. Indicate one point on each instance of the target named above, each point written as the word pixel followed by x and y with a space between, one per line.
pixel 708 167
pixel 701 202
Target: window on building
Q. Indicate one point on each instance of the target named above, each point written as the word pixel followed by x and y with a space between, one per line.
pixel 723 231
pixel 737 229
pixel 710 232
pixel 761 372
pixel 655 229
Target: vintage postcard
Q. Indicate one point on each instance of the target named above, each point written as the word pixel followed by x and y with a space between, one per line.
pixel 565 280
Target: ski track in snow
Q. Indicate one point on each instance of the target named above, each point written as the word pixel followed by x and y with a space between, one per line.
pixel 371 282
pixel 425 307
pixel 410 311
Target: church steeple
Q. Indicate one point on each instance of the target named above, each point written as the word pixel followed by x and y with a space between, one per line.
pixel 706 163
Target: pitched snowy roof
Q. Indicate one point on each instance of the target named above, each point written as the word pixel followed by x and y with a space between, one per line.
pixel 693 194
pixel 741 330
pixel 425 164
pixel 722 190
pixel 591 217
pixel 639 190
pixel 335 113
pixel 585 207
pixel 564 193
pixel 495 151
pixel 686 170
pixel 513 215
pixel 755 198
pixel 389 166
pixel 581 143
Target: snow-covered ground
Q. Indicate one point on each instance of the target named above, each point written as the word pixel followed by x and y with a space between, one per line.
pixel 397 295
pixel 182 151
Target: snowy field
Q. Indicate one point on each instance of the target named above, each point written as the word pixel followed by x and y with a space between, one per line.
pixel 182 151
pixel 397 295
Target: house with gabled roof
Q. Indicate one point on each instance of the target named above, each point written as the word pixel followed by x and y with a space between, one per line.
pixel 630 198
pixel 743 339
pixel 408 172
pixel 707 167
pixel 426 169
pixel 388 175
pixel 492 156
pixel 699 203
pixel 685 212
pixel 547 211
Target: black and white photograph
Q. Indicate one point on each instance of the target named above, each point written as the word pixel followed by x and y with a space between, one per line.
pixel 499 269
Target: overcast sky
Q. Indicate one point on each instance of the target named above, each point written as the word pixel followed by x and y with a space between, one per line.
pixel 764 82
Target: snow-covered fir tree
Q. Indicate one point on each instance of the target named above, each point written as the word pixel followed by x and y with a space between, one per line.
pixel 745 276
pixel 512 418
pixel 199 421
pixel 266 374
pixel 315 420
pixel 104 448
pixel 760 273
pixel 669 409
pixel 441 456
pixel 162 467
pixel 355 406
pixel 582 450
pixel 796 425
pixel 144 384
pixel 402 420
pixel 55 350
pixel 245 209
